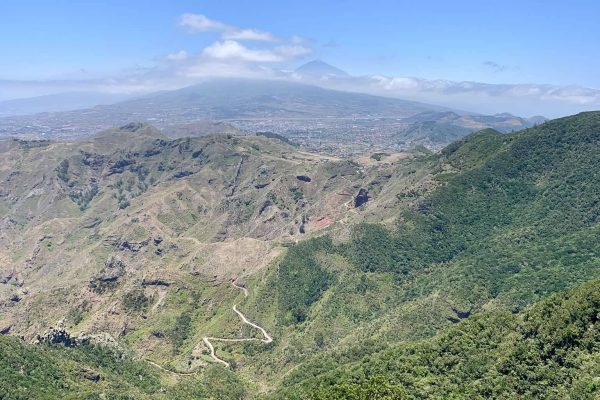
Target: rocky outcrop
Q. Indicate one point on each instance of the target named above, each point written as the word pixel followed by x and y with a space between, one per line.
pixel 58 335
pixel 32 144
pixel 119 166
pixel 90 375
pixel 100 339
pixel 182 174
pixel 303 223
pixel 132 127
pixel 361 198
pixel 14 298
pixel 6 277
pixel 5 328
pixel 303 178
pixel 93 160
pixel 234 181
pixel 133 246
pixel 264 206
pixel 18 295
pixel 156 282
pixel 114 268
pixel 460 315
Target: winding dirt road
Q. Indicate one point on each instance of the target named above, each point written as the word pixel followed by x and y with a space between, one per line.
pixel 207 339
pixel 170 371
pixel 267 339
pixel 243 289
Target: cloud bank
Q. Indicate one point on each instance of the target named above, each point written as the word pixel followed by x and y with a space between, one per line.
pixel 254 53
pixel 233 50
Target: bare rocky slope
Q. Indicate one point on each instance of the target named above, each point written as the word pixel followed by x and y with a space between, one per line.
pixel 125 232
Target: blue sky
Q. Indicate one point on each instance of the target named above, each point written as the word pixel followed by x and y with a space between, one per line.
pixel 555 42
pixel 514 42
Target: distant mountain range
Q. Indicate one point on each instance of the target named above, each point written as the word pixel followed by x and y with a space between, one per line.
pixel 57 102
pixel 247 98
pixel 483 98
pixel 317 117
pixel 438 128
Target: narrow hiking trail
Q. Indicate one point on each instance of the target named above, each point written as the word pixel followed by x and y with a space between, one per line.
pixel 207 339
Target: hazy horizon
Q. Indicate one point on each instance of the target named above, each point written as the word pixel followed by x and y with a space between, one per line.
pixel 458 55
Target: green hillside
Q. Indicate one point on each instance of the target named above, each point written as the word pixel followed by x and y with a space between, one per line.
pixel 512 221
pixel 549 351
pixel 94 372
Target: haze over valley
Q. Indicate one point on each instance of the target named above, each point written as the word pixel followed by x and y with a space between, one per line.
pixel 319 119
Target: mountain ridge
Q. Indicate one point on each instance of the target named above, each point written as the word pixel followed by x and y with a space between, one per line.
pixel 140 238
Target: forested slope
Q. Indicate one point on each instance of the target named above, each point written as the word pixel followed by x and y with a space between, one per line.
pixel 513 220
pixel 550 350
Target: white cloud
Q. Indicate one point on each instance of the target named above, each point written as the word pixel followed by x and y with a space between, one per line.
pixel 181 55
pixel 225 69
pixel 518 99
pixel 395 83
pixel 232 50
pixel 201 23
pixel 578 95
pixel 231 59
pixel 233 46
pixel 194 23
pixel 249 34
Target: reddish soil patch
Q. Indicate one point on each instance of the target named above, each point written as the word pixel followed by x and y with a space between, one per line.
pixel 322 222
